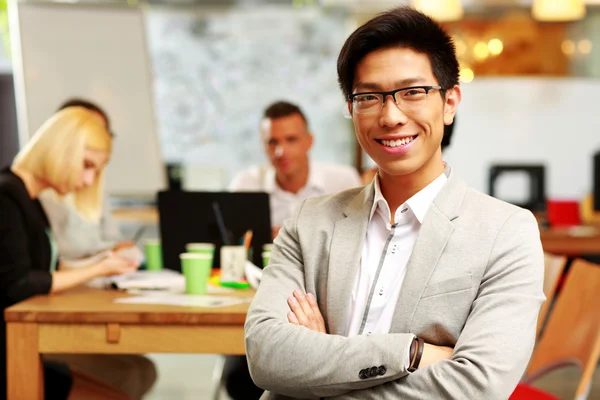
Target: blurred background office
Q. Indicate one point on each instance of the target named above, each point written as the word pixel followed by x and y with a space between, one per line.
pixel 186 82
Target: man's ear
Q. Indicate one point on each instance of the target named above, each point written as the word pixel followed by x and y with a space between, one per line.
pixel 265 129
pixel 451 102
pixel 348 110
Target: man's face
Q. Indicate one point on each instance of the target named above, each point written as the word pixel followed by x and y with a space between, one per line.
pixel 401 139
pixel 287 143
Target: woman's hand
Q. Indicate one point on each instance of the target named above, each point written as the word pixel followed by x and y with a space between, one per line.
pixel 116 265
pixel 124 245
pixel 109 266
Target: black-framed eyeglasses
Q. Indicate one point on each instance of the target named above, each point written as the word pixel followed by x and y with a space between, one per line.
pixel 408 99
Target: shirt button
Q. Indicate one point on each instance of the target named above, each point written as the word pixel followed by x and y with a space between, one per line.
pixel 381 292
pixel 394 247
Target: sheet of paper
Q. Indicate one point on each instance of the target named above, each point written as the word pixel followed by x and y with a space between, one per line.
pixel 253 275
pixel 184 300
pixel 178 290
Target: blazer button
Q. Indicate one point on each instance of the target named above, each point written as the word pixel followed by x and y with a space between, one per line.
pixel 373 372
pixel 382 370
pixel 363 374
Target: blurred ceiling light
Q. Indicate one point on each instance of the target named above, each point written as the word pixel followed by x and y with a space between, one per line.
pixel 481 51
pixel 568 47
pixel 461 47
pixel 495 46
pixel 584 46
pixel 558 10
pixel 443 11
pixel 466 75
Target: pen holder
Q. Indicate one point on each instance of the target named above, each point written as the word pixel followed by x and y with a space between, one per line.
pixel 233 262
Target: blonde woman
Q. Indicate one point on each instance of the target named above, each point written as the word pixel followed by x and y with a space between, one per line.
pixel 68 154
pixel 77 236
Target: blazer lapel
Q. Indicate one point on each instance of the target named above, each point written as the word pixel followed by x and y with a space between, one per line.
pixel 431 241
pixel 344 260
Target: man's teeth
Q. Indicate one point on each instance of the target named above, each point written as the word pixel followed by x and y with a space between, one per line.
pixel 397 143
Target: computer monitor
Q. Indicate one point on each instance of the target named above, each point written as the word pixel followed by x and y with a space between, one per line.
pixel 535 192
pixel 193 217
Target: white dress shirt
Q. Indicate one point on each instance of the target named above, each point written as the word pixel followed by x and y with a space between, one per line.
pixel 385 255
pixel 323 179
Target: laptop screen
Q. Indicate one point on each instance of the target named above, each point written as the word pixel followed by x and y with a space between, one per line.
pixel 212 217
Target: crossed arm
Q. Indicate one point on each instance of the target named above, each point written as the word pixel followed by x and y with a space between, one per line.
pixel 291 354
pixel 304 311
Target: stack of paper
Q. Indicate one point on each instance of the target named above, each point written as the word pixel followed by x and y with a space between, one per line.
pixel 150 280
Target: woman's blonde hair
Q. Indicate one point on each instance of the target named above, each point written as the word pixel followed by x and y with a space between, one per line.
pixel 55 154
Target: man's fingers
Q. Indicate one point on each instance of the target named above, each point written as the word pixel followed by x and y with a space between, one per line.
pixel 297 310
pixel 316 312
pixel 301 297
pixel 305 311
pixel 312 316
pixel 292 318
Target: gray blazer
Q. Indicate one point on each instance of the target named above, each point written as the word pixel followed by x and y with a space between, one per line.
pixel 473 282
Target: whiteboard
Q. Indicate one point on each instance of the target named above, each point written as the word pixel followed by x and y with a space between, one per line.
pixel 215 71
pixel 97 52
pixel 551 121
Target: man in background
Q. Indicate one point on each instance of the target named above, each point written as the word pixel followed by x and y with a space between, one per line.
pixel 291 177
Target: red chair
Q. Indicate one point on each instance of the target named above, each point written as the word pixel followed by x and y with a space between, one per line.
pixel 525 392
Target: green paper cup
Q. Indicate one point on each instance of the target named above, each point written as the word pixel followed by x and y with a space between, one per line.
pixel 266 256
pixel 153 251
pixel 200 248
pixel 268 247
pixel 196 269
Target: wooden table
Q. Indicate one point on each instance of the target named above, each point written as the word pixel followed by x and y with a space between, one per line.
pixel 573 242
pixel 88 321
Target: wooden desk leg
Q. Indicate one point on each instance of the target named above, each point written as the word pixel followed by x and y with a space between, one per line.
pixel 23 362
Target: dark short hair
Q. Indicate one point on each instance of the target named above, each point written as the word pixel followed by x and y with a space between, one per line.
pixel 77 102
pixel 402 27
pixel 281 109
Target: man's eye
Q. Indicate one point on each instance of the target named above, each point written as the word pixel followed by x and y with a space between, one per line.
pixel 366 97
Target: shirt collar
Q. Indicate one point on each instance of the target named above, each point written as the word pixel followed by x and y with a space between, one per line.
pixel 315 180
pixel 419 203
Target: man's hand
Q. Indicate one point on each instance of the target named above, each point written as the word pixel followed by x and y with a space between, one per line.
pixel 433 354
pixel 305 311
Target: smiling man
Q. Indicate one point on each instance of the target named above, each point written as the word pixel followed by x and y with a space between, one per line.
pixel 417 286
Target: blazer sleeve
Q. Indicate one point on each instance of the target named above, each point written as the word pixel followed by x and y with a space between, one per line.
pixel 18 280
pixel 297 362
pixel 497 341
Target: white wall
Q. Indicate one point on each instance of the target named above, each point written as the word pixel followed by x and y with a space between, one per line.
pixel 528 120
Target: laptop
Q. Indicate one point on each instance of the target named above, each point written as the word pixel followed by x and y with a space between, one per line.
pixel 212 217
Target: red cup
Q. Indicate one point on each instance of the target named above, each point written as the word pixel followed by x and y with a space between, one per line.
pixel 563 213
